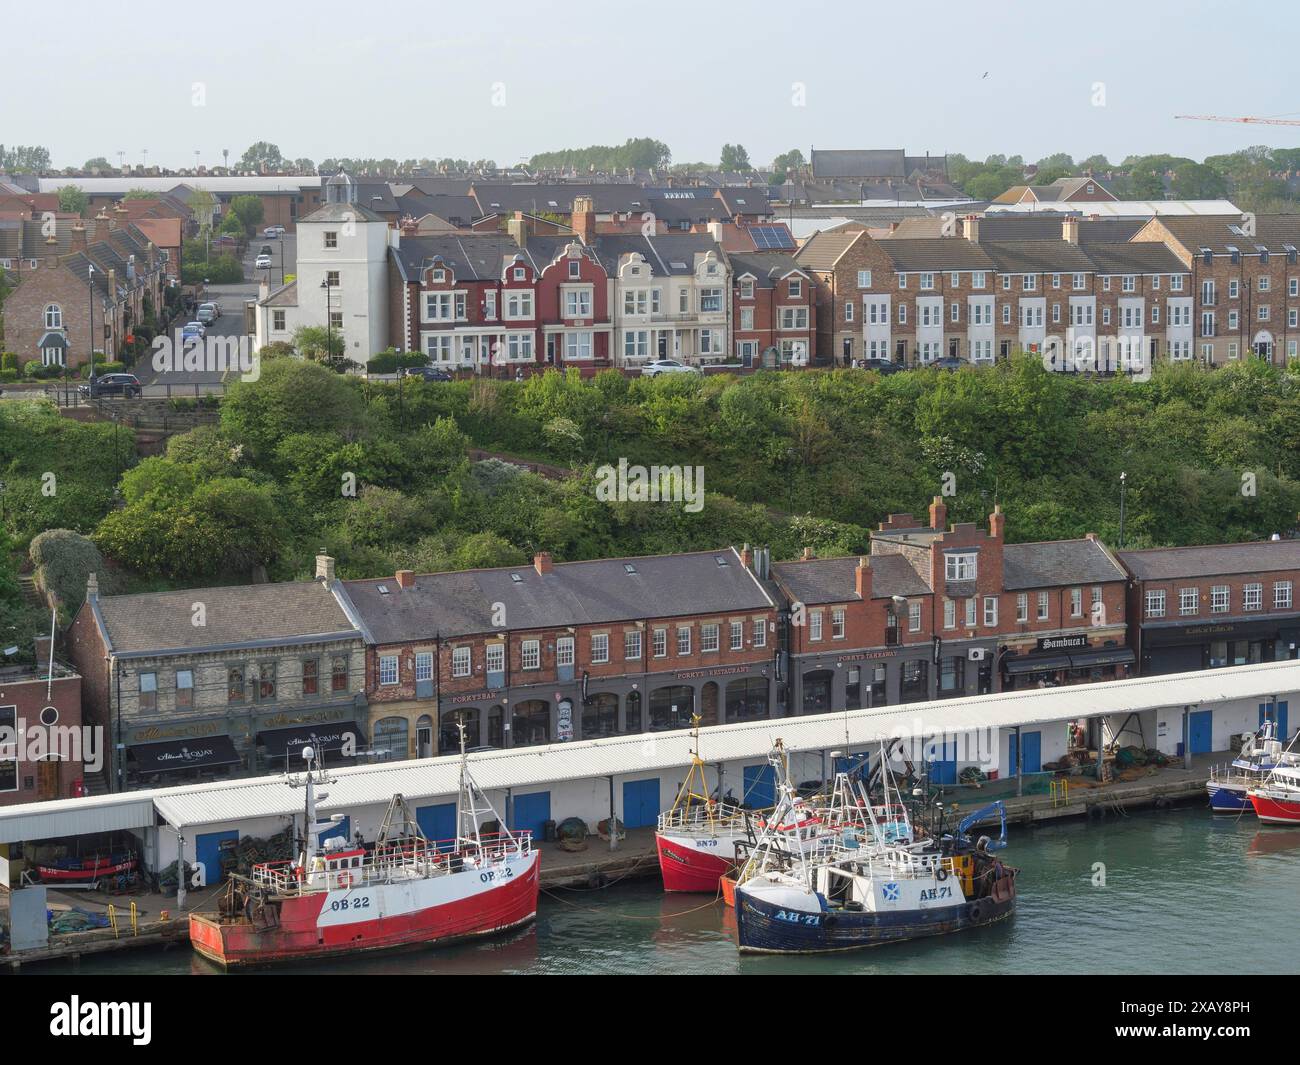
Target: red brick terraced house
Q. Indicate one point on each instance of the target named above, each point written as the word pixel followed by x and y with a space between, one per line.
pixel 527 655
pixel 30 703
pixel 940 612
pixel 774 310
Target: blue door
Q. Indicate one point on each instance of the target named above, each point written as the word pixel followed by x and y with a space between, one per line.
pixel 1278 714
pixel 942 759
pixel 641 803
pixel 1013 755
pixel 341 829
pixel 1200 731
pixel 760 786
pixel 532 811
pixel 1033 744
pixel 207 851
pixel 438 823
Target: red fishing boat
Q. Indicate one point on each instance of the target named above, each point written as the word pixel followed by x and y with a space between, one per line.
pixel 404 893
pixel 1277 798
pixel 87 870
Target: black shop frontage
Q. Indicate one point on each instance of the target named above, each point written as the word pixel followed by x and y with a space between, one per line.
pixel 1171 647
pixel 1054 661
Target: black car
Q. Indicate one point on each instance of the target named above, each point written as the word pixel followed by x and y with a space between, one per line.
pixel 880 365
pixel 429 373
pixel 949 362
pixel 113 384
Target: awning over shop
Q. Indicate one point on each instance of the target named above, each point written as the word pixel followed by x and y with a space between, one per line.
pixel 1036 664
pixel 324 738
pixel 184 754
pixel 1106 656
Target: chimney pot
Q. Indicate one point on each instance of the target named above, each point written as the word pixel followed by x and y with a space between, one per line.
pixel 939 514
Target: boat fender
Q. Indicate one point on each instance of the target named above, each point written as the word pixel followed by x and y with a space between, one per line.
pixel 941 874
pixel 974 912
pixel 345 880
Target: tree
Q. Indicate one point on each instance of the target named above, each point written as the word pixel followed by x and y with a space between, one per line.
pixel 98 163
pixel 72 200
pixel 1196 181
pixel 735 158
pixel 290 397
pixel 204 206
pixel 249 210
pixel 318 341
pixel 25 158
pixel 139 194
pixel 259 155
pixel 64 560
pixel 304 166
pixel 786 162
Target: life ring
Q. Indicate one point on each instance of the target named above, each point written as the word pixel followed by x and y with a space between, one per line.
pixel 974 912
pixel 941 874
pixel 345 880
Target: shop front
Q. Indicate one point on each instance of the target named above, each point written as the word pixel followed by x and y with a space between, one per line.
pixel 1175 648
pixel 334 735
pixel 202 750
pixel 1054 661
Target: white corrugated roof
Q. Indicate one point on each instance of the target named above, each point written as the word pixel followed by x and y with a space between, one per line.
pixel 1121 208
pixel 112 186
pixel 76 817
pixel 649 752
pixel 201 804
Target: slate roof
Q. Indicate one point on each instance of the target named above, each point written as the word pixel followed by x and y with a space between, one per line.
pixel 768 267
pixel 1057 563
pixel 746 200
pixel 557 198
pixel 1223 233
pixel 237 615
pixel 661 252
pixel 938 255
pixel 1169 563
pixel 573 593
pixel 1038 256
pixel 834 580
pixel 1141 257
pixel 471 257
pixel 867 163
pixel 341 212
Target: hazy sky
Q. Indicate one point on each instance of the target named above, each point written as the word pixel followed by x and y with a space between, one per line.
pixel 421 79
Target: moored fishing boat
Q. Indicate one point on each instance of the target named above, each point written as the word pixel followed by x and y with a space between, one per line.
pixel 1228 785
pixel 405 892
pixel 1276 799
pixel 867 891
pixel 87 870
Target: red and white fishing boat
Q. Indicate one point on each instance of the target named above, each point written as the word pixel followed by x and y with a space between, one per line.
pixel 1276 798
pixel 406 892
pixel 87 870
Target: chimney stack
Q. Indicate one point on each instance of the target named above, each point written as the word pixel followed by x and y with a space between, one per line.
pixel 970 228
pixel 518 229
pixel 1070 230
pixel 405 579
pixel 997 522
pixel 583 218
pixel 939 514
pixel 325 568
pixel 862 578
pixel 92 587
pixel 747 557
pixel 542 563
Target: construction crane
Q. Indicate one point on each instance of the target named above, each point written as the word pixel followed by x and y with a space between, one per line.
pixel 1252 121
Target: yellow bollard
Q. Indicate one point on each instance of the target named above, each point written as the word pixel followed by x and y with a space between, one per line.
pixel 112 919
pixel 135 919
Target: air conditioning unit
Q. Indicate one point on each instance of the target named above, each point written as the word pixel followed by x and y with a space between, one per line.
pixel 977 654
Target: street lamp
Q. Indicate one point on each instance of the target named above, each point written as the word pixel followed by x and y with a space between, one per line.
pixel 90 278
pixel 1123 479
pixel 329 324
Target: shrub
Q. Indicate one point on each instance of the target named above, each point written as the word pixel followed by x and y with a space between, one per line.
pixel 9 361
pixel 63 560
pixel 390 362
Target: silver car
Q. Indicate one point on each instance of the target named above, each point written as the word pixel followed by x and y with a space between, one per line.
pixel 654 369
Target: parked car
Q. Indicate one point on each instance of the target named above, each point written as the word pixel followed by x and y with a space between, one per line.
pixel 880 365
pixel 191 332
pixel 126 385
pixel 654 369
pixel 206 315
pixel 265 249
pixel 429 373
pixel 215 308
pixel 263 262
pixel 273 231
pixel 949 362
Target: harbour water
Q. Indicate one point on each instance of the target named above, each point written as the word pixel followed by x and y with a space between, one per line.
pixel 1168 891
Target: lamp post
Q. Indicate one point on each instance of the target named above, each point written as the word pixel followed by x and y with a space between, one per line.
pixel 329 325
pixel 1123 479
pixel 90 280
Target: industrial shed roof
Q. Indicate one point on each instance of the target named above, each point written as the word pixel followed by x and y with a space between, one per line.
pixel 203 804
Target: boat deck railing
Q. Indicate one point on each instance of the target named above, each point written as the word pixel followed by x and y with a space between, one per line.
pixel 407 860
pixel 699 817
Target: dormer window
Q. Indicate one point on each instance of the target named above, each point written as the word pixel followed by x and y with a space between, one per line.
pixel 575 269
pixel 519 273
pixel 960 566
pixel 439 276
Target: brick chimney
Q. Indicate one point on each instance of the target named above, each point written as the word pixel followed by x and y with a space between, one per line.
pixel 997 522
pixel 518 230
pixel 970 228
pixel 325 568
pixel 92 587
pixel 408 226
pixel 542 562
pixel 112 286
pixel 78 236
pixel 862 578
pixel 1070 230
pixel 747 557
pixel 939 514
pixel 405 579
pixel 583 219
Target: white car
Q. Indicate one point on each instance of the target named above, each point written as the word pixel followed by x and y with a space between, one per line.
pixel 654 369
pixel 263 262
pixel 273 231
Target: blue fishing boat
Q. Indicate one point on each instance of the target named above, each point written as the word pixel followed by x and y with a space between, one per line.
pixel 1260 754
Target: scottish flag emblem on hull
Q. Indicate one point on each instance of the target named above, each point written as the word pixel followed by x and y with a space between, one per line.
pixel 890 892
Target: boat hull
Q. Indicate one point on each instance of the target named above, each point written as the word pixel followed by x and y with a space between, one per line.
pixel 770 928
pixel 1276 811
pixel 1228 798
pixel 86 872
pixel 402 915
pixel 695 863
